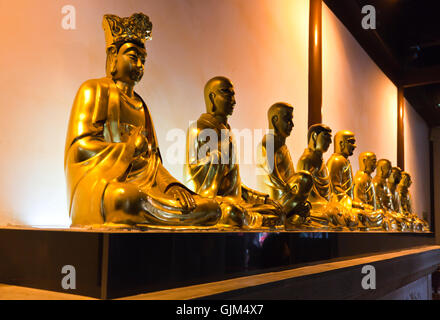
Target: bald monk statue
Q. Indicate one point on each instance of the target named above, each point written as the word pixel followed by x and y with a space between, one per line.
pixel 341 176
pixel 114 171
pixel 212 166
pixel 392 182
pixel 417 223
pixel 279 179
pixel 370 216
pixel 323 213
pixel 384 197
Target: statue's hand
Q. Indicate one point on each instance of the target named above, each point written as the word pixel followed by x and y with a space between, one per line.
pixel 184 196
pixel 139 141
pixel 274 203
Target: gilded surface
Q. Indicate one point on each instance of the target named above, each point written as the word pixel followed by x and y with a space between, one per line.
pixel 215 173
pixel 370 216
pixel 341 176
pixel 278 177
pixel 417 224
pixel 115 176
pixel 113 165
pixel 323 213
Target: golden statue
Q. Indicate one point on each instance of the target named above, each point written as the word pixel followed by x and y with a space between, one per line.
pixel 323 214
pixel 393 181
pixel 370 216
pixel 406 203
pixel 212 166
pixel 384 198
pixel 113 165
pixel 279 180
pixel 341 176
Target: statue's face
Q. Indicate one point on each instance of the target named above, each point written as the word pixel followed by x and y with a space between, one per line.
pixel 395 176
pixel 223 98
pixel 385 170
pixel 349 144
pixel 406 180
pixel 370 164
pixel 285 123
pixel 323 141
pixel 130 62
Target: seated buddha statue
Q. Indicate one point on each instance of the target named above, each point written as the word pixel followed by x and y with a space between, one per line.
pixel 341 177
pixel 323 213
pixel 114 171
pixel 418 224
pixel 212 167
pixel 393 181
pixel 384 198
pixel 370 216
pixel 279 179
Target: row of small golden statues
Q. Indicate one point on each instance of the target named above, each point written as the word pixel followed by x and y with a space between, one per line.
pixel 115 175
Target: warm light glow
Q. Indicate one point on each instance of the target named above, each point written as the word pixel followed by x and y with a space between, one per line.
pixel 353 100
pixel 33 185
pixel 316 36
pixel 87 95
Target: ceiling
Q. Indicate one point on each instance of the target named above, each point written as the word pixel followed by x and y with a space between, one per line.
pixel 405 45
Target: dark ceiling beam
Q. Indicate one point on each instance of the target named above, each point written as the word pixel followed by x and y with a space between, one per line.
pixel 421 76
pixel 350 14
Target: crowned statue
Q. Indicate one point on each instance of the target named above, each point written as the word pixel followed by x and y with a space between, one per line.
pixel 113 166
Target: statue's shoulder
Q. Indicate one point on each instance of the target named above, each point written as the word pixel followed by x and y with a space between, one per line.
pixel 94 84
pixel 206 121
pixel 336 162
pixel 361 177
pixel 307 161
pixel 306 156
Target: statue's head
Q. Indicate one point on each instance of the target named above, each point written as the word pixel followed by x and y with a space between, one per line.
pixel 406 179
pixel 395 175
pixel 367 162
pixel 125 42
pixel 219 96
pixel 319 137
pixel 383 168
pixel 345 143
pixel 301 185
pixel 280 116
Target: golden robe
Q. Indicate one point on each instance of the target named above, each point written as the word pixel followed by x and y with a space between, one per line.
pixel 215 174
pixel 279 179
pixel 98 159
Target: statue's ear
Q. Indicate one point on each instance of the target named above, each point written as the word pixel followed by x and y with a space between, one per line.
pixel 111 61
pixel 211 98
pixel 274 120
pixel 341 144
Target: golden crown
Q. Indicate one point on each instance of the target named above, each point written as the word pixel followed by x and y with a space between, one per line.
pixel 136 28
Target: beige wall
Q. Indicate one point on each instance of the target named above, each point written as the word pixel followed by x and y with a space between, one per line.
pixel 357 95
pixel 261 45
pixel 416 135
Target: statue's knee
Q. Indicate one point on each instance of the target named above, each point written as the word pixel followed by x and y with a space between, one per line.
pixel 122 199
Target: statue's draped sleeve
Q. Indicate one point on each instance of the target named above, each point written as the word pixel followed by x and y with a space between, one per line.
pixel 88 155
pixel 206 169
pixel 95 155
pixel 271 180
